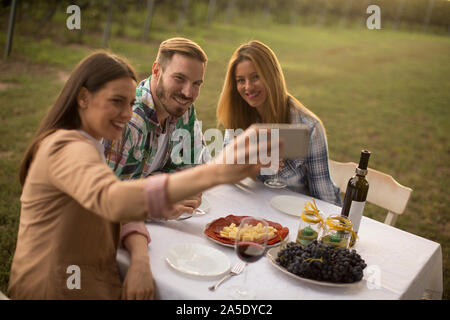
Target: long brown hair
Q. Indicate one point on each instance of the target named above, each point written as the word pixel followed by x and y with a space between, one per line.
pixel 233 112
pixel 93 72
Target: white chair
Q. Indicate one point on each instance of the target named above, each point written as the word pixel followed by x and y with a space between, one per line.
pixel 384 191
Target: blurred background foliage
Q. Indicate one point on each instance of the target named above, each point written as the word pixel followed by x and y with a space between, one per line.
pixel 409 15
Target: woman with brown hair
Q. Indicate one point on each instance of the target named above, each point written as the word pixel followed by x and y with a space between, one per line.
pixel 72 204
pixel 255 92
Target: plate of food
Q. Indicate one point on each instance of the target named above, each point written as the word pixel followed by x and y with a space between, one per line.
pixel 318 264
pixel 223 231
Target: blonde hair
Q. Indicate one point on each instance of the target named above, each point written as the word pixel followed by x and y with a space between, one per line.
pixel 181 46
pixel 233 112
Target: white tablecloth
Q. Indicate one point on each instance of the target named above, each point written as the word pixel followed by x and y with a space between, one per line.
pixel 400 265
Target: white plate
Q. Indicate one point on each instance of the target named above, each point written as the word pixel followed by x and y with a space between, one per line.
pixel 272 255
pixel 205 206
pixel 289 204
pixel 197 259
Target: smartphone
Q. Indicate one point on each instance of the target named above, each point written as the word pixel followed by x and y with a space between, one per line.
pixel 295 138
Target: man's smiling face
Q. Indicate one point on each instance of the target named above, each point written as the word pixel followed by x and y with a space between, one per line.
pixel 178 85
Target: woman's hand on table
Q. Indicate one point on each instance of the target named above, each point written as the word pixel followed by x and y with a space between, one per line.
pixel 139 283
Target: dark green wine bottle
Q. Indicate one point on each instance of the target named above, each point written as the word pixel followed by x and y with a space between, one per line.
pixel 356 193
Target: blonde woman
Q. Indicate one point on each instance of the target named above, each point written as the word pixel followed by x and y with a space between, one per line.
pixel 255 92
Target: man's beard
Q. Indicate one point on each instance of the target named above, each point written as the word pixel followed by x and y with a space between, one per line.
pixel 164 98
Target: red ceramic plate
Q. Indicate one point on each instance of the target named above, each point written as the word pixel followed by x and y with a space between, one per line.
pixel 212 230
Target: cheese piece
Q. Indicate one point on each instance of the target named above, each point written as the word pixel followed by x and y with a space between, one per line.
pixel 248 232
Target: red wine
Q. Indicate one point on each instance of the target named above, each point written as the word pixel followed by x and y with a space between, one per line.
pixel 250 251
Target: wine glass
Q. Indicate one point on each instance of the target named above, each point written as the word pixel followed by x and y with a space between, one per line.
pixel 250 245
pixel 275 181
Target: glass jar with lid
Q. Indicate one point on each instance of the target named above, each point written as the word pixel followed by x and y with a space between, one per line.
pixel 338 232
pixel 311 224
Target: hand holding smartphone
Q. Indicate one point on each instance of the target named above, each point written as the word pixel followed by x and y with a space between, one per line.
pixel 295 138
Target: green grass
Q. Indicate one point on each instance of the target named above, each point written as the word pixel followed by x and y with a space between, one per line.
pixel 381 90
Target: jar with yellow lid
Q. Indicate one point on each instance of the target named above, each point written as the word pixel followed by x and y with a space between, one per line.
pixel 338 232
pixel 311 224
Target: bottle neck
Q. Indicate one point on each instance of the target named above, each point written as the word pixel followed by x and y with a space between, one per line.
pixel 361 172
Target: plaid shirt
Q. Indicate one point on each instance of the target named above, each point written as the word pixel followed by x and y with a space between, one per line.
pixel 310 175
pixel 139 151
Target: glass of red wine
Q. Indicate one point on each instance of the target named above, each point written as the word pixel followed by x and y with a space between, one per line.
pixel 250 245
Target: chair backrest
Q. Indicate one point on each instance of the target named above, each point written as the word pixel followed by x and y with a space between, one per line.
pixel 384 191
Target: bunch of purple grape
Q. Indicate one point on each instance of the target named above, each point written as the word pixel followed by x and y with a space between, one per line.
pixel 322 262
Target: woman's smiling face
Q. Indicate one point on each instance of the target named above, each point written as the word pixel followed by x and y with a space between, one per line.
pixel 105 113
pixel 250 85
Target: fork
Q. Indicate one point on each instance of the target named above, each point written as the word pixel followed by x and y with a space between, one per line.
pixel 237 269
